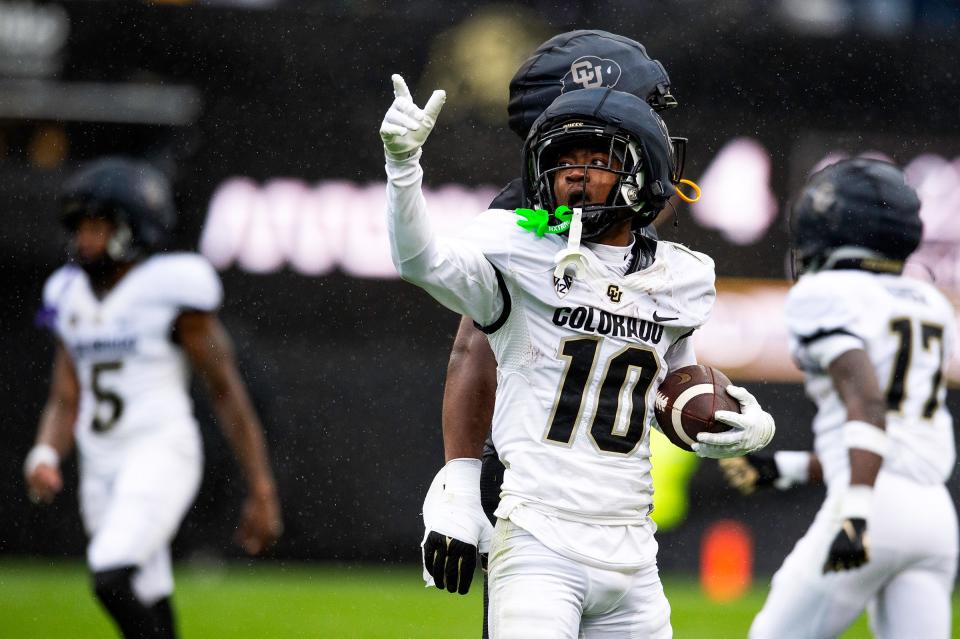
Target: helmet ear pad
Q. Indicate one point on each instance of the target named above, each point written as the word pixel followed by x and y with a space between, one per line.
pixel 120 246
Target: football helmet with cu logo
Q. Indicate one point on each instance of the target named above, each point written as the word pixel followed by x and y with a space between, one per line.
pixel 584 59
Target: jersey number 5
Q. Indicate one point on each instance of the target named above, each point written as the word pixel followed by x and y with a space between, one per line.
pixel 620 417
pixel 114 403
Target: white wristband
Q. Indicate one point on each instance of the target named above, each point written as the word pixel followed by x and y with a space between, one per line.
pixel 857 502
pixel 462 475
pixel 40 454
pixel 399 158
pixel 793 466
pixel 865 436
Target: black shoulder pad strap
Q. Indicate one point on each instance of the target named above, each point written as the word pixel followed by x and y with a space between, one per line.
pixel 505 313
pixel 644 252
pixel 809 339
pixel 510 197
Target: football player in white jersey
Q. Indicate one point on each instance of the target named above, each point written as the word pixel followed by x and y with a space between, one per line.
pixel 566 62
pixel 873 345
pixel 129 323
pixel 582 334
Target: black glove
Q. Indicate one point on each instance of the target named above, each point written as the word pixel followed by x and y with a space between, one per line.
pixel 850 548
pixel 749 472
pixel 450 562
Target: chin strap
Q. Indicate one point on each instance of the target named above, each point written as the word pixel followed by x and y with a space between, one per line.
pixel 571 258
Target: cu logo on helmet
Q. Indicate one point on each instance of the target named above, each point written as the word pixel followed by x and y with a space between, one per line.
pixel 589 71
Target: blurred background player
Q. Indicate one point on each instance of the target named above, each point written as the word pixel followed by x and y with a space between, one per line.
pixel 564 63
pixel 573 550
pixel 129 322
pixel 873 346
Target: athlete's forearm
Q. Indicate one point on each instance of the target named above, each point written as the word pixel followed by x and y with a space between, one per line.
pixel 456 274
pixel 815 470
pixel 469 394
pixel 211 353
pixel 56 426
pixel 681 353
pixel 238 421
pixel 853 377
pixel 407 222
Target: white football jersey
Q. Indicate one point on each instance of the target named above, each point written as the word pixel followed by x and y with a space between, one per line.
pixel 134 379
pixel 908 330
pixel 579 363
pixel 578 373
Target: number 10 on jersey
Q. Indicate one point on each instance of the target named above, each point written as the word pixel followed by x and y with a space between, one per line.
pixel 620 400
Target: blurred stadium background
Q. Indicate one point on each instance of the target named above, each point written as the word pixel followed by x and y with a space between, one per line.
pixel 265 113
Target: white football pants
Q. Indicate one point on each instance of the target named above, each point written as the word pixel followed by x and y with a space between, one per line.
pixel 905 586
pixel 132 511
pixel 536 593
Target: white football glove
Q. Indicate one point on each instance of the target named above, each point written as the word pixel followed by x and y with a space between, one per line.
pixel 405 127
pixel 751 429
pixel 455 526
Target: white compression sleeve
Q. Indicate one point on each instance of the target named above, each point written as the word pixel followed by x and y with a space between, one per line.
pixel 454 273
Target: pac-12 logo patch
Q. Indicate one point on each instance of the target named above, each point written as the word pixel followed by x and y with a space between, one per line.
pixel 589 71
pixel 561 286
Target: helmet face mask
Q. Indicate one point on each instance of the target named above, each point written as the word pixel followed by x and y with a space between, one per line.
pixel 133 196
pixel 644 161
pixel 624 162
pixel 121 240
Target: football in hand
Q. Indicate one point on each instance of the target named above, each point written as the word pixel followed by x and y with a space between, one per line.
pixel 687 400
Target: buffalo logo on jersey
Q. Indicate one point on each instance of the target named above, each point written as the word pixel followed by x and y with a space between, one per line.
pixel 591 320
pixel 589 71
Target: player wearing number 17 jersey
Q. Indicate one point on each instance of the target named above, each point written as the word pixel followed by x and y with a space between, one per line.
pixel 129 322
pixel 873 346
pixel 582 336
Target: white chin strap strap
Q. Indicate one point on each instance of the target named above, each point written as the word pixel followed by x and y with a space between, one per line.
pixel 571 259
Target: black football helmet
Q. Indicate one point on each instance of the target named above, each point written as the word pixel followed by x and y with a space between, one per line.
pixel 651 162
pixel 857 204
pixel 132 194
pixel 579 60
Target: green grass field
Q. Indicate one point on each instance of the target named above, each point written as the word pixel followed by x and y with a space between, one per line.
pixel 52 601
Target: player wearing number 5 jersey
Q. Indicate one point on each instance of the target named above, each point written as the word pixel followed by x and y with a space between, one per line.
pixel 582 334
pixel 873 346
pixel 129 322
